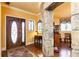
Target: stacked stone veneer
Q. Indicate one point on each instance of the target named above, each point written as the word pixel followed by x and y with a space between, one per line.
pixel 47 33
pixel 75 29
pixel 75 35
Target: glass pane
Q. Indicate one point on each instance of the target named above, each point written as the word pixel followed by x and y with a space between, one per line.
pixel 63 27
pixel 68 26
pixel 14 32
pixel 31 25
pixel 22 31
pixel 39 27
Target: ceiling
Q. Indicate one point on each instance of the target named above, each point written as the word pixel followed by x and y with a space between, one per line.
pixel 64 10
pixel 33 7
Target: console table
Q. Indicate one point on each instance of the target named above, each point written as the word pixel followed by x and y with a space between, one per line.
pixel 38 41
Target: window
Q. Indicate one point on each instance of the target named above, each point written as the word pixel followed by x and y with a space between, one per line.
pixel 65 26
pixel 23 31
pixel 39 26
pixel 68 24
pixel 31 25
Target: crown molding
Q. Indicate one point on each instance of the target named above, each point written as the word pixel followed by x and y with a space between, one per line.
pixel 18 9
pixel 39 14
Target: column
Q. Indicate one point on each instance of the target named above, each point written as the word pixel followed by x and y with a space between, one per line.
pixel 75 29
pixel 48 46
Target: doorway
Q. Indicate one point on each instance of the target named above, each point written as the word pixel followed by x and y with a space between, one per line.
pixel 61 37
pixel 15 32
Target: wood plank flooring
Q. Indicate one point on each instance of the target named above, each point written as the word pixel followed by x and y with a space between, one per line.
pixel 64 51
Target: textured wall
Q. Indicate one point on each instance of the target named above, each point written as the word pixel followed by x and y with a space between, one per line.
pixel 47 33
pixel 75 29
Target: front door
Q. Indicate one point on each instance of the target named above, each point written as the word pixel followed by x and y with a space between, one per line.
pixel 15 32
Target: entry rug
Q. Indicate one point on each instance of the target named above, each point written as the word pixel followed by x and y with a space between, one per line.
pixel 20 52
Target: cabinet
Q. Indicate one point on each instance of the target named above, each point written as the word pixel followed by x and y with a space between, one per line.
pixel 57 37
pixel 38 41
pixel 67 39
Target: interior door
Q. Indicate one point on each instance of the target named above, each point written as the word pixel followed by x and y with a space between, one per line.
pixel 14 32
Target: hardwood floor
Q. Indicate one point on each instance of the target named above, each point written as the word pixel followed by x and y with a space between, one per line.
pixel 35 50
pixel 4 53
pixel 64 51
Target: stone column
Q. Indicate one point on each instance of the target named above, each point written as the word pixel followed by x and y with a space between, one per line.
pixel 75 29
pixel 47 20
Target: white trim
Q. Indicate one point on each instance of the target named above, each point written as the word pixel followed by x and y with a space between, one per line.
pixel 39 14
pixel 30 43
pixel 15 16
pixel 3 49
pixel 18 9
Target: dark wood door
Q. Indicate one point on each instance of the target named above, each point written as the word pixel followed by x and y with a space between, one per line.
pixel 14 32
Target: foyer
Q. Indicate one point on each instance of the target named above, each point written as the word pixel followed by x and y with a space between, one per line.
pixel 39 29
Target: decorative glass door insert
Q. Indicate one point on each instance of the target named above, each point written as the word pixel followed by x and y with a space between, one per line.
pixel 14 32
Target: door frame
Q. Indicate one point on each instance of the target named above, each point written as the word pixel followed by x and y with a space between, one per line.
pixel 5 48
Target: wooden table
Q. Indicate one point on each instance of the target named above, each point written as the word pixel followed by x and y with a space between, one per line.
pixel 38 41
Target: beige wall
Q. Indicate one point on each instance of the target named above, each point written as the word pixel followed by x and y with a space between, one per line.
pixel 16 13
pixel 75 27
pixel 64 10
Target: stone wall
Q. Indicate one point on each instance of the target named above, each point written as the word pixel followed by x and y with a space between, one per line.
pixel 75 29
pixel 47 20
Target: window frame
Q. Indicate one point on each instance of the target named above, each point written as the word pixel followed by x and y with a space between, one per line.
pixel 29 28
pixel 40 30
pixel 65 21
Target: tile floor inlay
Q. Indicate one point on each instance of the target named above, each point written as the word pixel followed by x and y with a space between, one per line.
pixel 19 52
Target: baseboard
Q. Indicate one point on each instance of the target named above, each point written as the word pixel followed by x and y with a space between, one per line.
pixel 3 49
pixel 30 43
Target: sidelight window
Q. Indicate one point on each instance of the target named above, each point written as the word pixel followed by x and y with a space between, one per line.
pixel 23 31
